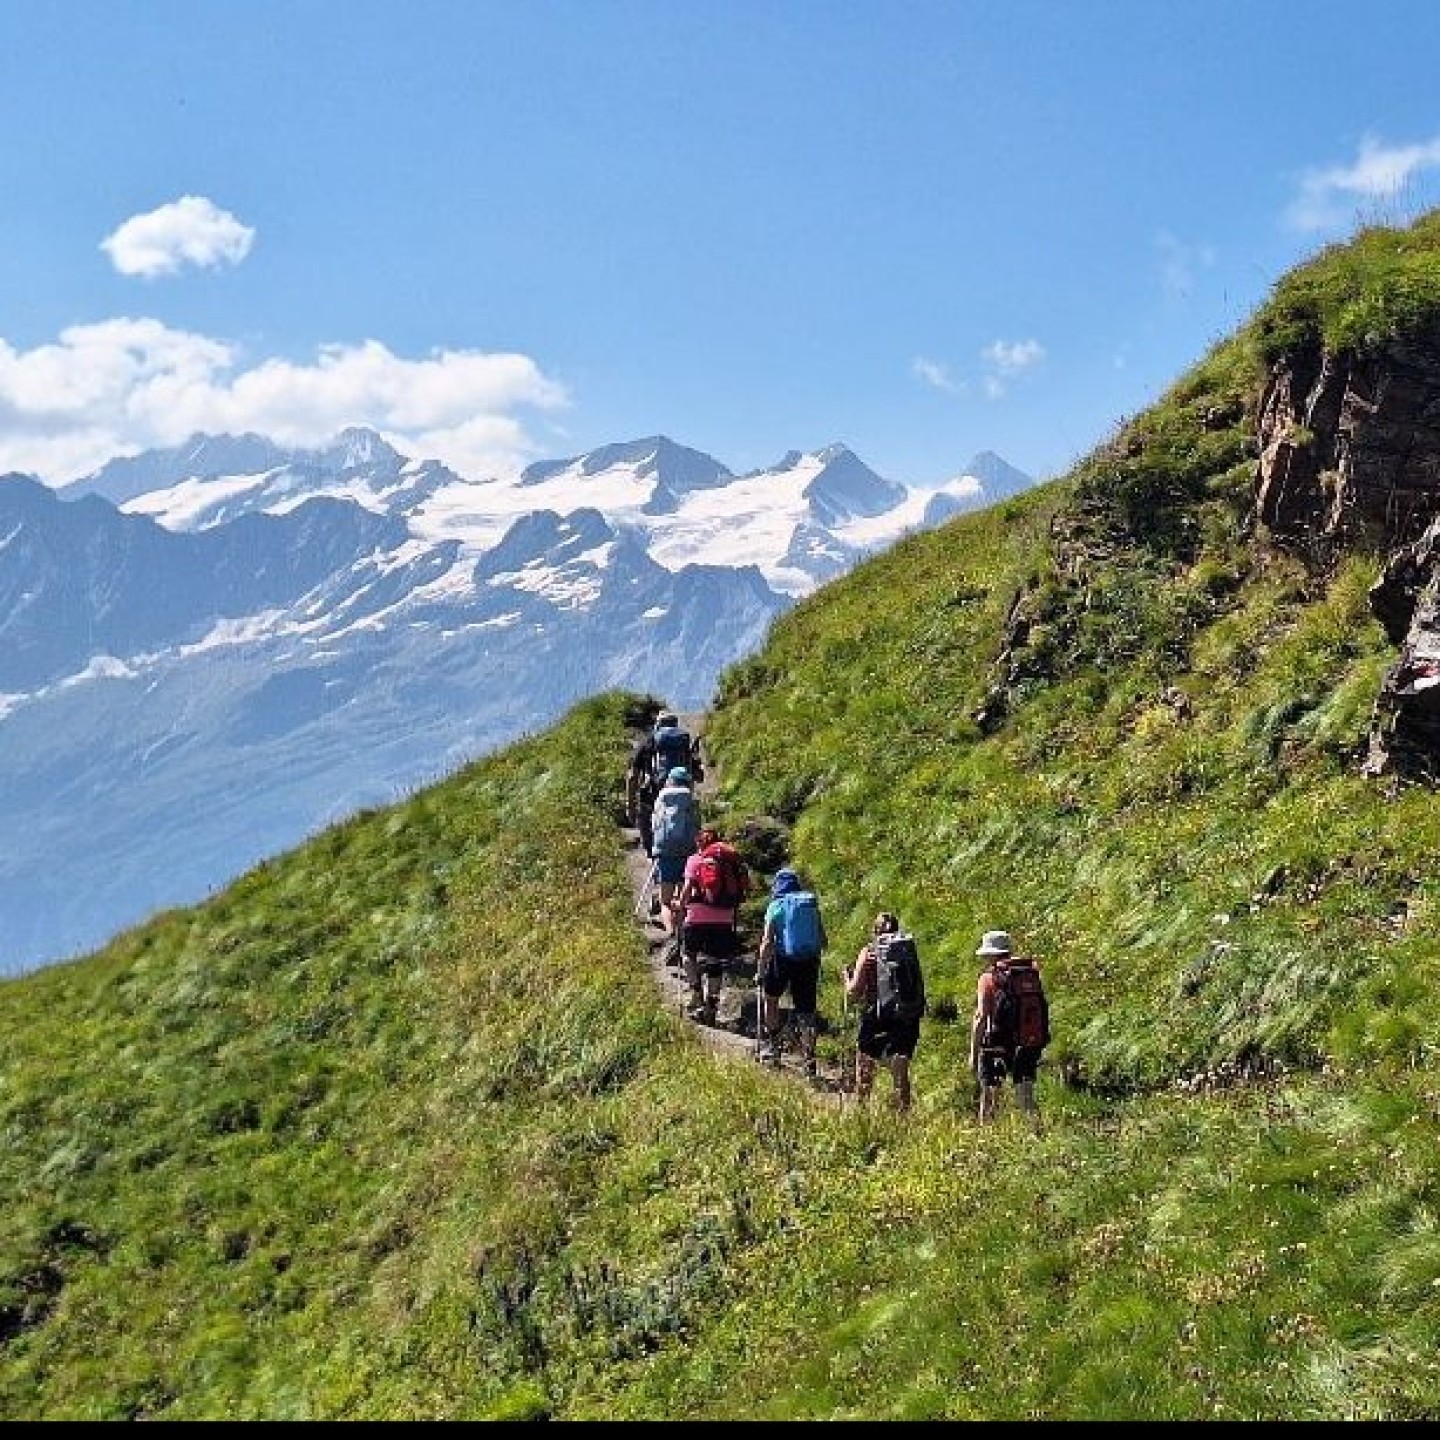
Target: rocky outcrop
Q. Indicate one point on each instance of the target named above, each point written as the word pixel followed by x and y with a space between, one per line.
pixel 1350 446
pixel 1349 453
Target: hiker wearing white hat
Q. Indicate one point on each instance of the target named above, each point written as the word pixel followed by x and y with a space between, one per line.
pixel 1011 1027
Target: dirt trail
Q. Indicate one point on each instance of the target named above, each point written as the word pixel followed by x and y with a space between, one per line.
pixel 734 1031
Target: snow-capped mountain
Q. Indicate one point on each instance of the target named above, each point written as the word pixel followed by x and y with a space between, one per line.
pixel 208 653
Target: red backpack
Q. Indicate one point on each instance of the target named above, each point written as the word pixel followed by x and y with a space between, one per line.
pixel 1021 1013
pixel 721 878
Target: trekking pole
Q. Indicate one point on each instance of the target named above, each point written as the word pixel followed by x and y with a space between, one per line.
pixel 642 905
pixel 759 1009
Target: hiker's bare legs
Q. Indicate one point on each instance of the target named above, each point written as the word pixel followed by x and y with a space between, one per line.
pixel 807 1026
pixel 900 1073
pixel 770 1015
pixel 695 981
pixel 668 918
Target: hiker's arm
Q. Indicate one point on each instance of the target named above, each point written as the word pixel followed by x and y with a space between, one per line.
pixel 855 978
pixel 983 994
pixel 767 946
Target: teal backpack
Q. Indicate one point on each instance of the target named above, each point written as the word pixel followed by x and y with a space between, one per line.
pixel 799 934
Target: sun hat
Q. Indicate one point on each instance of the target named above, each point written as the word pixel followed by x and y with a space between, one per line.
pixel 994 942
pixel 679 776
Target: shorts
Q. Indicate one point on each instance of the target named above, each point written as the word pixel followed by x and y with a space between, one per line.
pixel 884 1042
pixel 671 868
pixel 1019 1064
pixel 710 946
pixel 800 977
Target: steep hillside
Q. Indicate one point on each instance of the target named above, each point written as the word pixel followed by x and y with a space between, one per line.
pixel 395 1127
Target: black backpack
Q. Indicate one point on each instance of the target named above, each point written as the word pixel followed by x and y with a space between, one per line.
pixel 672 748
pixel 1021 1013
pixel 899 982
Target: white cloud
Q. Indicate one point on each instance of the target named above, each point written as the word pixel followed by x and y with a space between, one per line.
pixel 190 231
pixel 126 385
pixel 1180 262
pixel 1380 173
pixel 937 376
pixel 1005 360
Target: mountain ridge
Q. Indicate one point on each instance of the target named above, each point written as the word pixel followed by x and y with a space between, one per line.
pixel 358 615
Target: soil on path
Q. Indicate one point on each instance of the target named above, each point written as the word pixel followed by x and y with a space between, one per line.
pixel 734 1030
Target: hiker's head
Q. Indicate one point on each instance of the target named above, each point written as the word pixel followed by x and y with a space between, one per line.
pixel 885 923
pixel 994 945
pixel 679 776
pixel 666 719
pixel 786 882
pixel 706 837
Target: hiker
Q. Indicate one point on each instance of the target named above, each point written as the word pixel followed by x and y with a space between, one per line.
pixel 674 748
pixel 791 946
pixel 889 1029
pixel 641 785
pixel 716 881
pixel 1011 1026
pixel 674 826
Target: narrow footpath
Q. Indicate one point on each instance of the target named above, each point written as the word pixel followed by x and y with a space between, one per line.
pixel 733 1033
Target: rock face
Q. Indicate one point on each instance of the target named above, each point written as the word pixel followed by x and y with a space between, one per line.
pixel 1350 454
pixel 1350 447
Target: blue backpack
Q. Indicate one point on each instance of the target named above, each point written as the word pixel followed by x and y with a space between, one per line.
pixel 799 934
pixel 676 821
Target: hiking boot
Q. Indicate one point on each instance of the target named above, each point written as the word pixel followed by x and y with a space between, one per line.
pixel 769 1055
pixel 812 1070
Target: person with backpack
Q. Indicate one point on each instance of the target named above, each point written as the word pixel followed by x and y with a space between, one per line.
pixel 673 748
pixel 887 983
pixel 791 946
pixel 1011 1027
pixel 674 827
pixel 716 881
pixel 640 787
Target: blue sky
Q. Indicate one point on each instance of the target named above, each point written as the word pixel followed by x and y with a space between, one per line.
pixel 499 232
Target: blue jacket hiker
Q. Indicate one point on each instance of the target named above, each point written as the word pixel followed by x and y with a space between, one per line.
pixel 791 946
pixel 675 828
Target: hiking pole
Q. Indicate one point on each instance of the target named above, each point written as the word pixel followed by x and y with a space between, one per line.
pixel 759 1009
pixel 642 905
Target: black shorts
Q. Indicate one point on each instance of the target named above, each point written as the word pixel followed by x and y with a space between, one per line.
pixel 884 1042
pixel 710 946
pixel 1019 1064
pixel 800 977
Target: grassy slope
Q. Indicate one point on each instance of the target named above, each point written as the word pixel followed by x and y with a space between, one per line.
pixel 393 1127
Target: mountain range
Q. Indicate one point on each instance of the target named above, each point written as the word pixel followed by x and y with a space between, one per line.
pixel 210 651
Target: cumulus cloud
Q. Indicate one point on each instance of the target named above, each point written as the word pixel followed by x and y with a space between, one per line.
pixel 190 231
pixel 1380 174
pixel 1005 360
pixel 126 385
pixel 936 376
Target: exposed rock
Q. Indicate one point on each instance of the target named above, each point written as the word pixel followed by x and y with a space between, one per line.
pixel 1349 453
pixel 1350 445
